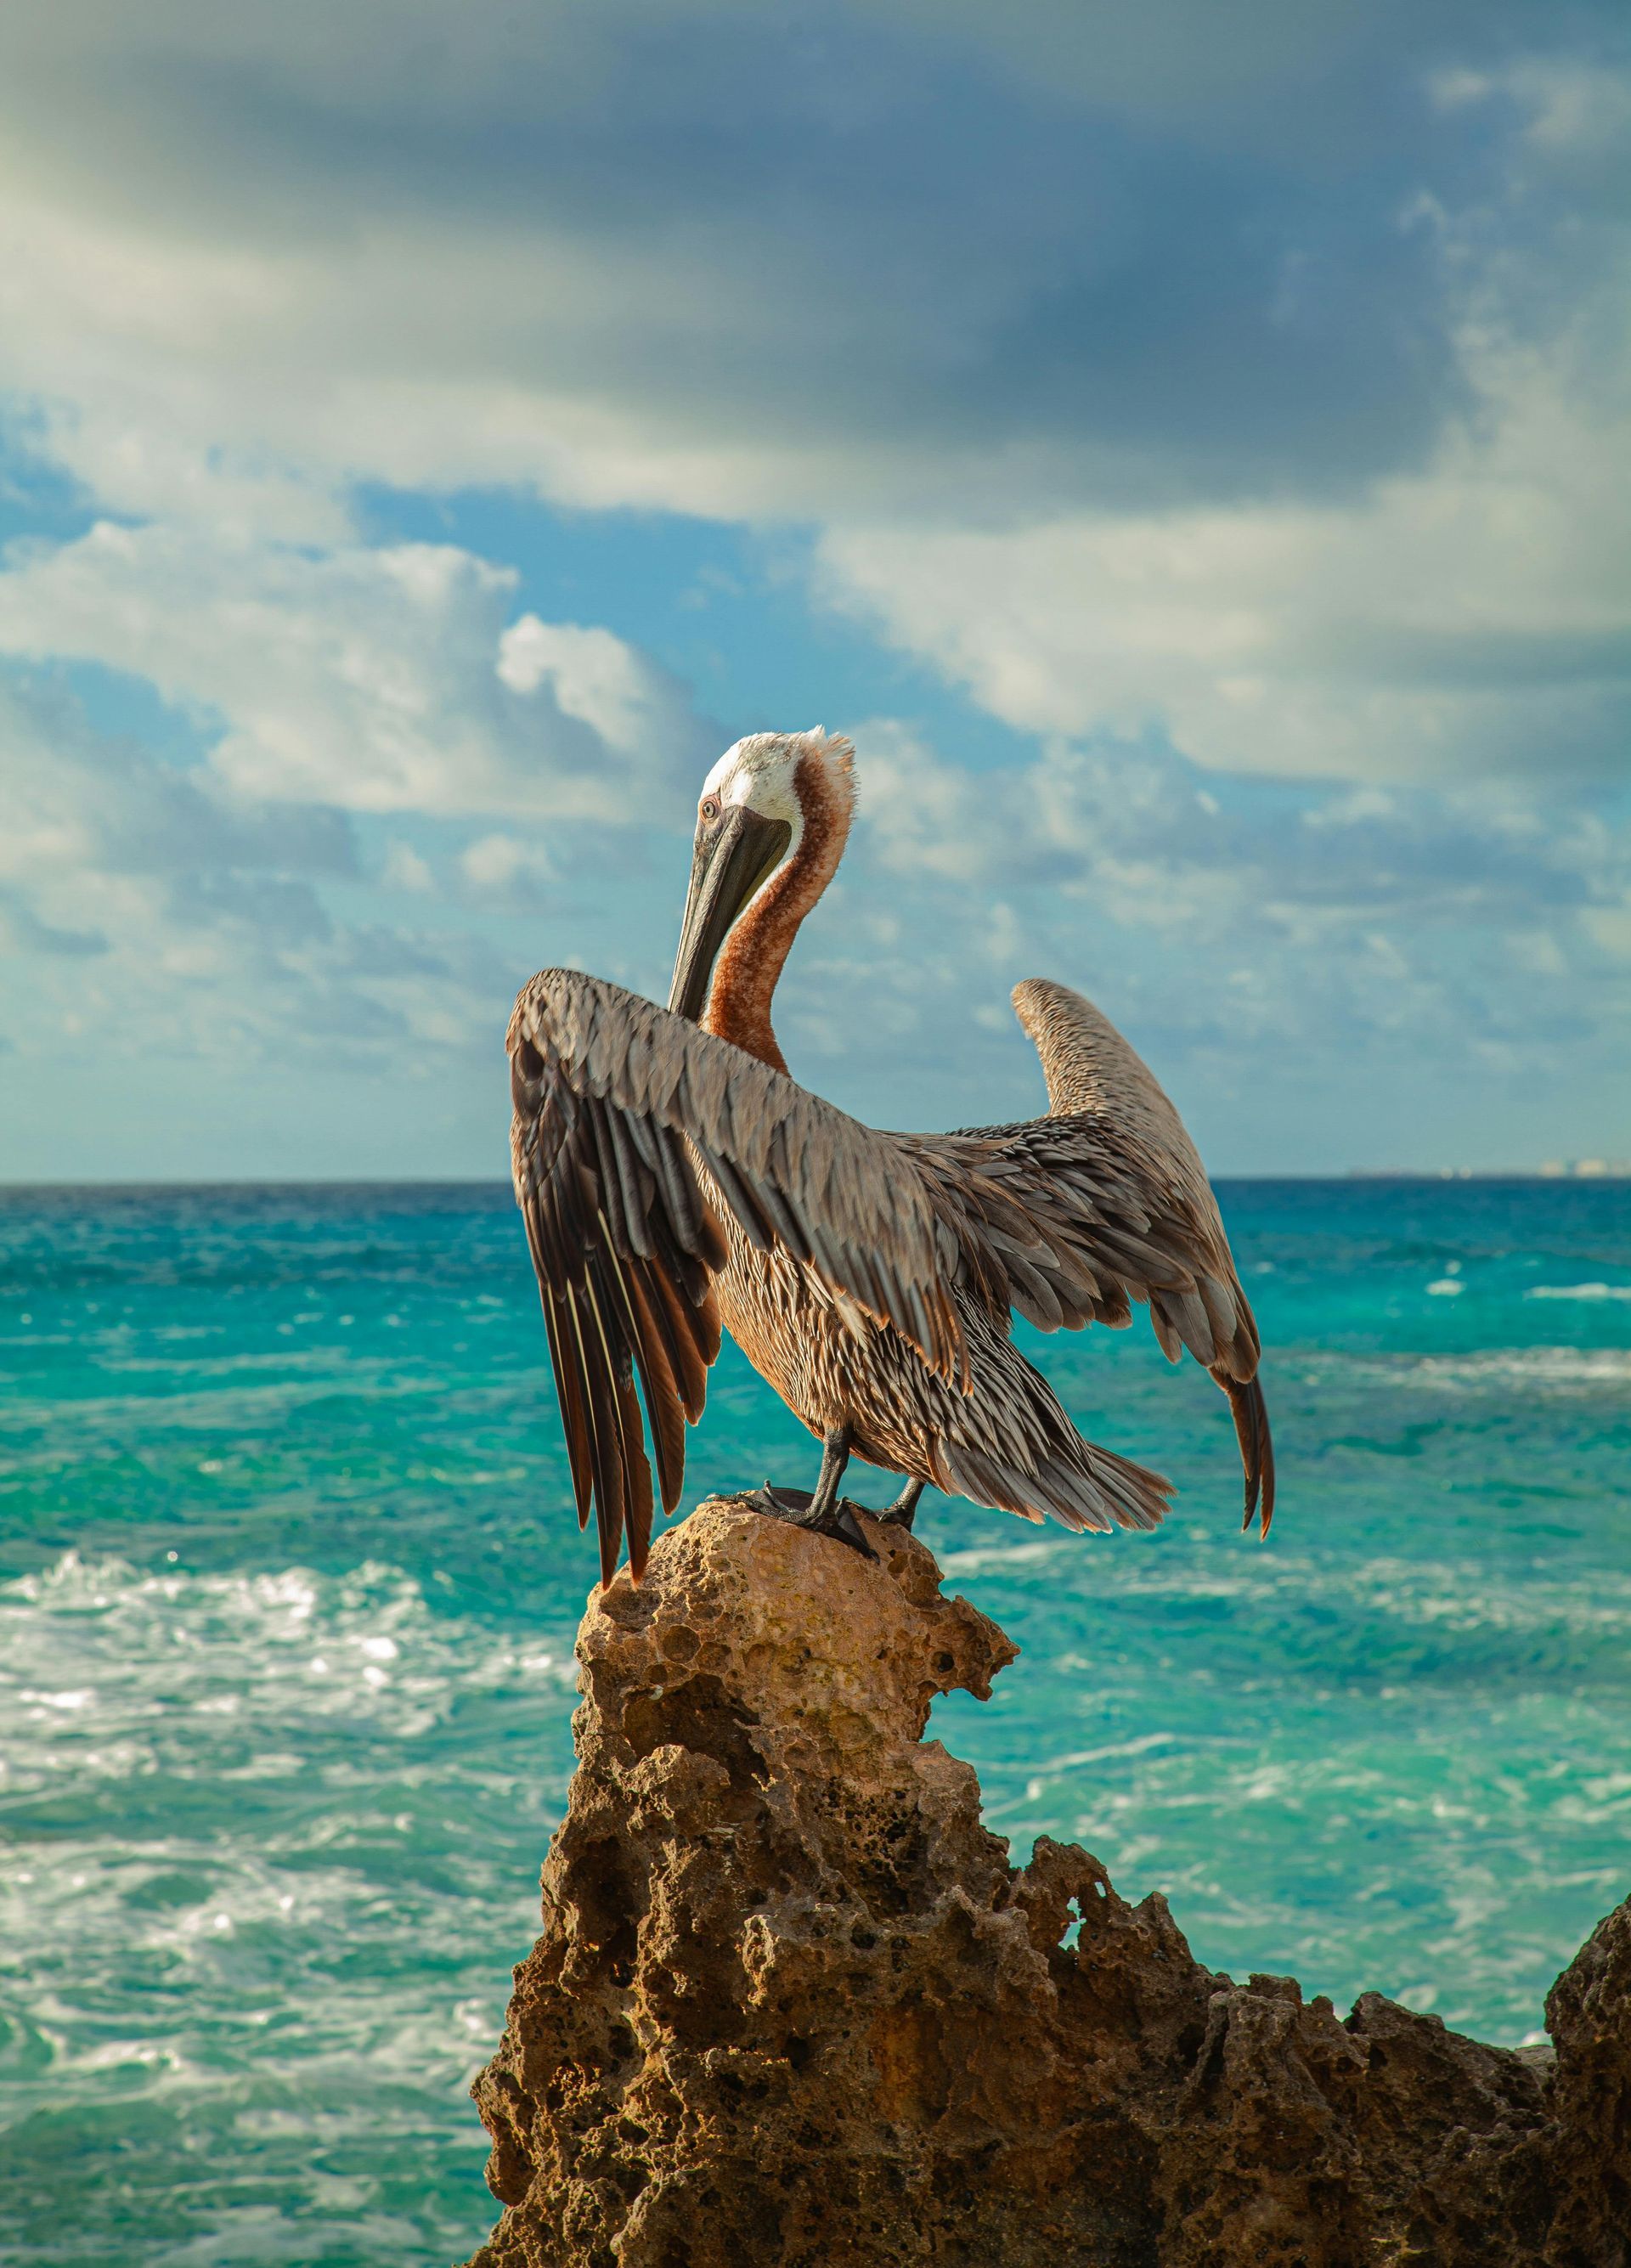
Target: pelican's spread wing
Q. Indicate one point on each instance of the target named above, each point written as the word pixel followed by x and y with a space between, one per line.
pixel 1073 1218
pixel 618 1104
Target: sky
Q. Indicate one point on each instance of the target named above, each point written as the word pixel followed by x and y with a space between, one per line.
pixel 1188 451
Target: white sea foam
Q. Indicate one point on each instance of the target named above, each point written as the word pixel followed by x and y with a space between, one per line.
pixel 1411 1591
pixel 1578 1291
pixel 191 1806
pixel 1013 1555
pixel 1544 1367
pixel 264 1654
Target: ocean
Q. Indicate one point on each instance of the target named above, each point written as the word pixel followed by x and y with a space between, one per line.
pixel 288 1585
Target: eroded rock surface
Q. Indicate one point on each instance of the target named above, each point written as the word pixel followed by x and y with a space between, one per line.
pixel 792 2008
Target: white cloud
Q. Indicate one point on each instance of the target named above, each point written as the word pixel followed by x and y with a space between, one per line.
pixel 1472 925
pixel 1463 616
pixel 210 903
pixel 601 681
pixel 1576 110
pixel 499 866
pixel 1611 926
pixel 375 680
pixel 1470 619
pixel 162 916
pixel 1126 822
pixel 403 869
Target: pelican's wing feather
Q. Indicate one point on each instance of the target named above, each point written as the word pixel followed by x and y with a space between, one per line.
pixel 1104 1202
pixel 635 1133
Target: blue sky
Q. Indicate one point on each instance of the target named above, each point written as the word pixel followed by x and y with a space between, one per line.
pixel 1197 472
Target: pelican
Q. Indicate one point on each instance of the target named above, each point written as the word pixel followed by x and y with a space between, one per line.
pixel 675 1181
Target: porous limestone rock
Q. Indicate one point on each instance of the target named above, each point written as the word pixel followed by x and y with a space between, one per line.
pixel 792 2008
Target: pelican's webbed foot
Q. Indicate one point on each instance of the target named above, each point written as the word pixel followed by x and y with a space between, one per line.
pixel 903 1511
pixel 826 1512
pixel 799 1509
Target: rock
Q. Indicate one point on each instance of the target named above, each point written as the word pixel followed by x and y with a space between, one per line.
pixel 792 2008
pixel 1589 2017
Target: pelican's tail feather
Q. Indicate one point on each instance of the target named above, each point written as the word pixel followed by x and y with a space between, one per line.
pixel 1075 1481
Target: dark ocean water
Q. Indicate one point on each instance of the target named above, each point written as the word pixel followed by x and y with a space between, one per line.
pixel 288 1585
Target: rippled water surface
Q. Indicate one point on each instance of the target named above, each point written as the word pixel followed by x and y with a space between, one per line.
pixel 288 1585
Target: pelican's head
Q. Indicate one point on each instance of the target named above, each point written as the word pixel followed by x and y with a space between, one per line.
pixel 756 806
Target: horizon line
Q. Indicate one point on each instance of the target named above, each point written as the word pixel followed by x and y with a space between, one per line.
pixel 1617 1173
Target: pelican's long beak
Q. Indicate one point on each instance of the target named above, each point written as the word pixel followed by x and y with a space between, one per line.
pixel 729 862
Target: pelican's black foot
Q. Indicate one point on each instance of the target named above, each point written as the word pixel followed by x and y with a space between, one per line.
pixel 903 1511
pixel 799 1509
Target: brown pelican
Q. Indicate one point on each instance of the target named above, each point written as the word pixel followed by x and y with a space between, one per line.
pixel 673 1179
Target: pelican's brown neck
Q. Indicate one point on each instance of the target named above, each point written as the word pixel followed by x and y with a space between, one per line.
pixel 756 951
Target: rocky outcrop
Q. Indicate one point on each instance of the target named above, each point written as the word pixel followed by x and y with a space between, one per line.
pixel 792 2008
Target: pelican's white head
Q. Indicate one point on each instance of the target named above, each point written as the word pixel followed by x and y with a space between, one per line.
pixel 759 804
pixel 761 773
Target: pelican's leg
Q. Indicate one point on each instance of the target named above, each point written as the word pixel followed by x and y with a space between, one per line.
pixel 826 1512
pixel 903 1511
pixel 834 1457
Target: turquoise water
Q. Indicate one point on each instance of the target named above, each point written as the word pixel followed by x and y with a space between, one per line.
pixel 287 1594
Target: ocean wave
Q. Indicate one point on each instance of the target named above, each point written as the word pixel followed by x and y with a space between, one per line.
pixel 1560 1368
pixel 271 1837
pixel 107 1661
pixel 982 1559
pixel 1403 1591
pixel 1578 1291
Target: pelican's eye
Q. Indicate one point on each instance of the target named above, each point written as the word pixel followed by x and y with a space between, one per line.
pixel 708 810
